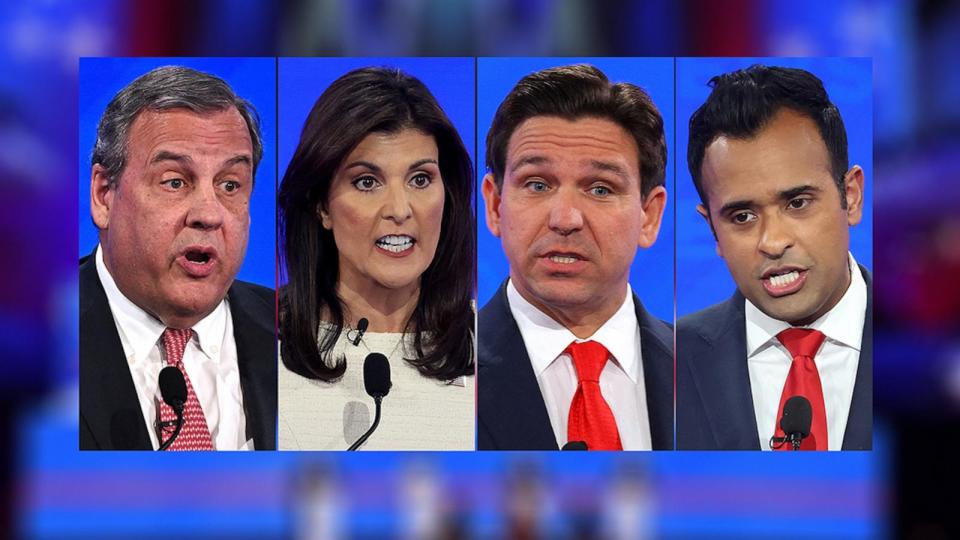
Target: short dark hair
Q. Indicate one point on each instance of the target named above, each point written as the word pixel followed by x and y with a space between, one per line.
pixel 743 102
pixel 361 102
pixel 161 89
pixel 578 91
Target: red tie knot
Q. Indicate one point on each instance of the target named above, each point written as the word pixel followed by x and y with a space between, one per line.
pixel 589 357
pixel 801 341
pixel 175 342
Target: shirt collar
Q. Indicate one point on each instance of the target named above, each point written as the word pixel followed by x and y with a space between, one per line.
pixel 546 339
pixel 842 324
pixel 140 331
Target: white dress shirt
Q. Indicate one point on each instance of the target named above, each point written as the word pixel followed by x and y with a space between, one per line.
pixel 769 361
pixel 621 381
pixel 210 360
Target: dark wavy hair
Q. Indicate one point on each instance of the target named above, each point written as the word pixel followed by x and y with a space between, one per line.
pixel 742 102
pixel 365 101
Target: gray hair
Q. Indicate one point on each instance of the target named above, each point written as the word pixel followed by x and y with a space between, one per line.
pixel 163 88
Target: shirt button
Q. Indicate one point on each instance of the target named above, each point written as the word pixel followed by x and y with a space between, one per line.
pixel 215 349
pixel 131 358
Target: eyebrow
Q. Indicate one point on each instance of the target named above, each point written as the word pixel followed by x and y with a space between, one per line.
pixel 166 155
pixel 530 160
pixel 609 166
pixel 784 195
pixel 375 168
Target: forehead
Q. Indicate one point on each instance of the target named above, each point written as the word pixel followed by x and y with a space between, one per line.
pixel 787 152
pixel 580 140
pixel 406 145
pixel 217 132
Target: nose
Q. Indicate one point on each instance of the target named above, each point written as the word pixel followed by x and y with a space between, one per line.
pixel 776 236
pixel 397 208
pixel 206 211
pixel 565 216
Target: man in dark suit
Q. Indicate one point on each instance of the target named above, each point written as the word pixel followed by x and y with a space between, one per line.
pixel 171 180
pixel 768 155
pixel 567 354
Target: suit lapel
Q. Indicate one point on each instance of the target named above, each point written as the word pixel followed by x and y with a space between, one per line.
pixel 110 414
pixel 722 378
pixel 859 432
pixel 656 344
pixel 256 359
pixel 510 405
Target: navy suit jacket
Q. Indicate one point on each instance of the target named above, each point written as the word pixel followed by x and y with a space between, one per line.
pixel 511 414
pixel 714 400
pixel 110 415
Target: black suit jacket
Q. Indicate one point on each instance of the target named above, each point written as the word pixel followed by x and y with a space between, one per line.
pixel 714 399
pixel 110 415
pixel 511 414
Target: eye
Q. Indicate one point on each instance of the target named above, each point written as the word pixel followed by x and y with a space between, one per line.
pixel 174 183
pixel 421 181
pixel 600 191
pixel 230 186
pixel 743 217
pixel 798 203
pixel 366 183
pixel 536 185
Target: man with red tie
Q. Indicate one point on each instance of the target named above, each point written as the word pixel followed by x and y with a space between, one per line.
pixel 567 355
pixel 768 155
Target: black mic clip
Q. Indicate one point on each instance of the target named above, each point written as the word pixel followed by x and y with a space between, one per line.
pixel 361 329
pixel 794 439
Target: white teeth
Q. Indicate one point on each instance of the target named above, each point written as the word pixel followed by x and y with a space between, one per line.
pixel 784 280
pixel 563 260
pixel 395 243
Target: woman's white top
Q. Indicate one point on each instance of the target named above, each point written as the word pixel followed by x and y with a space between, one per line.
pixel 419 413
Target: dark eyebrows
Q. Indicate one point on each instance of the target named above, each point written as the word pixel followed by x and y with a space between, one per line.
pixel 791 193
pixel 421 163
pixel 784 195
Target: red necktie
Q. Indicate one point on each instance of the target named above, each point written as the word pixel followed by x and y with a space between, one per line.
pixel 195 435
pixel 804 380
pixel 591 419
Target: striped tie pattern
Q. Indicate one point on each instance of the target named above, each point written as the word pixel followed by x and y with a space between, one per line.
pixel 195 435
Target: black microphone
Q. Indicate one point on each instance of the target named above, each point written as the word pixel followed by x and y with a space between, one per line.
pixel 575 445
pixel 173 390
pixel 795 423
pixel 376 381
pixel 361 328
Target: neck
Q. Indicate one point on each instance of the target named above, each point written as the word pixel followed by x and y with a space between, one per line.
pixel 582 321
pixel 386 310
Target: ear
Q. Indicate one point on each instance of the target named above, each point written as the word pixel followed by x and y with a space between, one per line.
pixel 853 191
pixel 102 195
pixel 653 206
pixel 491 199
pixel 705 214
pixel 324 217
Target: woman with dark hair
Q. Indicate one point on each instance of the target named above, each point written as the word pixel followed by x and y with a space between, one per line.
pixel 378 231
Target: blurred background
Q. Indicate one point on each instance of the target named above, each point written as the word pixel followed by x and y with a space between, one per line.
pixel 901 489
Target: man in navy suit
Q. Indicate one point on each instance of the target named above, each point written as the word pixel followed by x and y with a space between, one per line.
pixel 567 354
pixel 768 156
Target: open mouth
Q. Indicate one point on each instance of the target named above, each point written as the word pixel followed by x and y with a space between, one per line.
pixel 395 243
pixel 784 282
pixel 196 256
pixel 563 259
